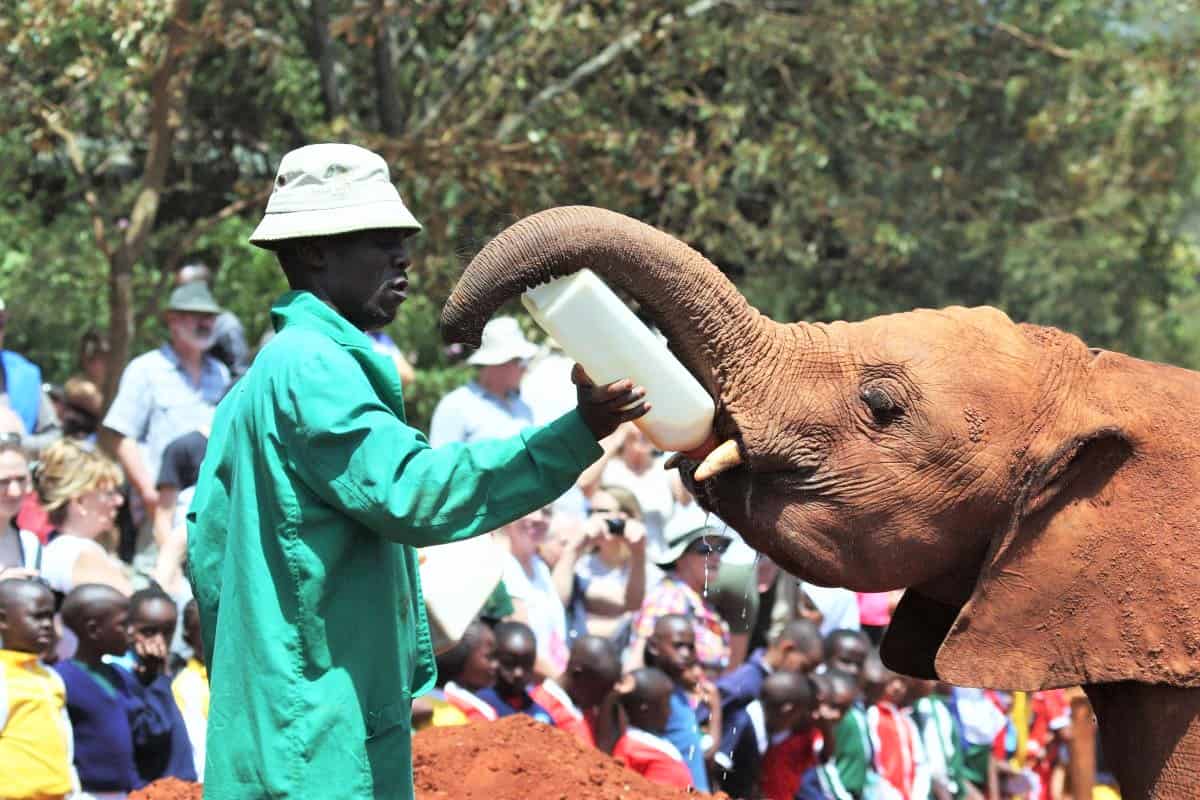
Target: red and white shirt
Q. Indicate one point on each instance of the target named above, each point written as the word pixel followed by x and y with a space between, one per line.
pixel 652 757
pixel 475 709
pixel 566 715
pixel 899 754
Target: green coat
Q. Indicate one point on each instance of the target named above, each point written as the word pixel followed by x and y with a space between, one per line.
pixel 311 498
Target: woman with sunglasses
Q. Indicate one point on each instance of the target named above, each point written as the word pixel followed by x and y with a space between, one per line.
pixel 20 551
pixel 613 571
pixel 690 560
pixel 79 490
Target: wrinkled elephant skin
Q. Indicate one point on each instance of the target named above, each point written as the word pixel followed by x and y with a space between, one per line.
pixel 1040 500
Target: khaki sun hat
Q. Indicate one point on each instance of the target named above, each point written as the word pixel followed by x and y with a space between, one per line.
pixel 502 341
pixel 193 297
pixel 326 189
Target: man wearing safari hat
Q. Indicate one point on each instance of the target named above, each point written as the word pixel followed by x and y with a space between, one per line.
pixel 166 392
pixel 491 405
pixel 315 491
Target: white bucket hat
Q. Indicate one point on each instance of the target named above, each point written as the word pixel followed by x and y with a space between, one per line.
pixel 325 189
pixel 502 341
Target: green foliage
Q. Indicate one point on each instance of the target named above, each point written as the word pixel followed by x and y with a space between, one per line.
pixel 837 159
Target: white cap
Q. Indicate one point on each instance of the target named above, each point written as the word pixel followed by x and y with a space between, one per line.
pixel 502 341
pixel 326 189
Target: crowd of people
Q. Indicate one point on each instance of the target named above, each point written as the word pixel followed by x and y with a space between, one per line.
pixel 625 614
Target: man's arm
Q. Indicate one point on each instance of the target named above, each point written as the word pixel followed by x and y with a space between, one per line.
pixel 355 454
pixel 635 587
pixel 127 419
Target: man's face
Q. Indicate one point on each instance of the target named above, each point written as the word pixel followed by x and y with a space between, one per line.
pixel 514 659
pixel 365 275
pixel 154 618
pixel 674 648
pixel 192 328
pixel 848 655
pixel 507 376
pixel 27 624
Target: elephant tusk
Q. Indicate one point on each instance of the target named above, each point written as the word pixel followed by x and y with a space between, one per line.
pixel 726 456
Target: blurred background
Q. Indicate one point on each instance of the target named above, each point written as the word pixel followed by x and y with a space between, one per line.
pixel 837 159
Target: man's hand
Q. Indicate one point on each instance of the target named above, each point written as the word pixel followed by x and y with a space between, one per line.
pixel 151 652
pixel 604 408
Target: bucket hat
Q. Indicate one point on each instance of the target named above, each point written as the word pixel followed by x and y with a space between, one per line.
pixel 326 189
pixel 193 297
pixel 679 541
pixel 502 341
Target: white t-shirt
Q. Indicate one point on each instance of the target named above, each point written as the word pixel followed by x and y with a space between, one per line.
pixel 547 617
pixel 59 557
pixel 838 607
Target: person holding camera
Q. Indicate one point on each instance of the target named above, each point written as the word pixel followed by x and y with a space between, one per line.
pixel 612 569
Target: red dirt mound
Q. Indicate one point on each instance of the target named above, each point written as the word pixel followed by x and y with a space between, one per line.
pixel 519 759
pixel 169 789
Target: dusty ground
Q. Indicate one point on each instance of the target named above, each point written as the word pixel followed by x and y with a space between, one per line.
pixel 513 759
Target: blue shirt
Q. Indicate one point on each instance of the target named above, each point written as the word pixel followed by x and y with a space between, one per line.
pixel 505 707
pixel 744 741
pixel 745 683
pixel 684 732
pixel 469 414
pixel 157 401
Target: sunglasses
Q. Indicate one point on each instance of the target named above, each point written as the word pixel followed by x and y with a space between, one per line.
pixel 703 548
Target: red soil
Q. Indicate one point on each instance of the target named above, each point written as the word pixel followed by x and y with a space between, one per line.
pixel 519 759
pixel 169 789
pixel 513 759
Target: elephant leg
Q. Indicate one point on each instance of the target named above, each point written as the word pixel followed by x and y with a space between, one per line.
pixel 1150 737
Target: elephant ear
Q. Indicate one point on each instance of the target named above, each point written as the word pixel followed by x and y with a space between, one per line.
pixel 1092 582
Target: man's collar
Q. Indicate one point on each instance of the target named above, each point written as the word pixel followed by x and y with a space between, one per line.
pixel 306 310
pixel 759 657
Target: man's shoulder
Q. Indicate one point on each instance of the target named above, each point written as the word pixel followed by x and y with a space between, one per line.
pixel 301 353
pixel 462 397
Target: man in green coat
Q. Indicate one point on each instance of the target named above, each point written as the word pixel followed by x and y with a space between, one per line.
pixel 315 491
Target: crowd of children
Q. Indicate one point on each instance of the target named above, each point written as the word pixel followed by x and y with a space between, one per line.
pixel 805 718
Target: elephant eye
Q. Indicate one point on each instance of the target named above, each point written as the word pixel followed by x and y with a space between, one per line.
pixel 883 407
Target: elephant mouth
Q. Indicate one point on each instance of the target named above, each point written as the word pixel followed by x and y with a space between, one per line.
pixel 798 485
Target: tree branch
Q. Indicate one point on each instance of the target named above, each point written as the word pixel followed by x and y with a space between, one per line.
pixel 1035 42
pixel 623 44
pixel 53 121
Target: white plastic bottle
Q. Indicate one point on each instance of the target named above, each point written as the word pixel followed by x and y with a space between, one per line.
pixel 599 331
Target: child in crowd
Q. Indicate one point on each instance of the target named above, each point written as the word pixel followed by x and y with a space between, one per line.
pixel 516 651
pixel 941 737
pixel 797 648
pixel 768 744
pixel 35 734
pixel 836 695
pixel 646 698
pixel 577 701
pixel 98 615
pixel 853 751
pixel 468 667
pixel 899 754
pixel 846 650
pixel 672 649
pixel 166 752
pixel 190 687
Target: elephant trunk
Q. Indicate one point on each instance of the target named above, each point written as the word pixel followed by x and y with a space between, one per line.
pixel 708 324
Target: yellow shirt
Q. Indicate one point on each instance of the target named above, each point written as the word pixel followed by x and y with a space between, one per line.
pixel 190 688
pixel 35 732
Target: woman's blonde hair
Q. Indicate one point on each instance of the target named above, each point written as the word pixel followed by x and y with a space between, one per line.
pixel 66 471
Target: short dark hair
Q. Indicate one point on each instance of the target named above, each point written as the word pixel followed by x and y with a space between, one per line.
pixel 835 638
pixel 149 594
pixel 511 628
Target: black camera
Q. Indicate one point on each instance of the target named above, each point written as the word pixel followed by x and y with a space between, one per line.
pixel 616 526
